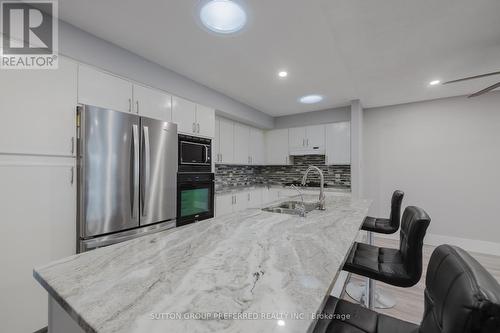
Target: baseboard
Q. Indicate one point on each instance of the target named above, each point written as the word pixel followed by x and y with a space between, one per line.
pixel 471 245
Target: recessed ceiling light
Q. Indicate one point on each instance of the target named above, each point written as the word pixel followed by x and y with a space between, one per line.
pixel 223 16
pixel 283 74
pixel 434 83
pixel 281 323
pixel 311 99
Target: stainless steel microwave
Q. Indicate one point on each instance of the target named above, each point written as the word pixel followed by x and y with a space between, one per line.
pixel 195 154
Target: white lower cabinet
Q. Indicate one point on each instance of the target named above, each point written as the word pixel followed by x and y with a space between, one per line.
pixel 223 204
pixel 236 202
pixel 38 205
pixel 269 195
pixel 240 201
pixel 254 198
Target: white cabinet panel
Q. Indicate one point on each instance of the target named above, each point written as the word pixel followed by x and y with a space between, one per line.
pixel 240 201
pixel 269 195
pixel 241 145
pixel 152 103
pixel 257 146
pixel 338 143
pixel 297 138
pixel 215 142
pixel 276 147
pixel 315 137
pixel 255 198
pixel 226 141
pixel 104 90
pixel 37 201
pixel 205 121
pixel 38 110
pixel 223 204
pixel 184 115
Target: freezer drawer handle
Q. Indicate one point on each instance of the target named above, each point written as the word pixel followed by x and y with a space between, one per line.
pixel 135 195
pixel 147 171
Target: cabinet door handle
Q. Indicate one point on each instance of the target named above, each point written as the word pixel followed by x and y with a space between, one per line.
pixel 72 145
pixel 194 128
pixel 198 125
pixel 137 107
pixel 129 105
pixel 72 175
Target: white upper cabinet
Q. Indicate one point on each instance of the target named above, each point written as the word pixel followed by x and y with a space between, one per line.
pixel 152 103
pixel 276 147
pixel 307 140
pixel 257 146
pixel 241 144
pixel 226 141
pixel 192 118
pixel 297 138
pixel 39 110
pixel 104 90
pixel 205 121
pixel 184 115
pixel 338 143
pixel 215 142
pixel 315 138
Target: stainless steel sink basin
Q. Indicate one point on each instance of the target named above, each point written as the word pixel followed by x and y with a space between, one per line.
pixel 291 207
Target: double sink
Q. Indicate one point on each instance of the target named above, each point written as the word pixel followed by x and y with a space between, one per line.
pixel 292 208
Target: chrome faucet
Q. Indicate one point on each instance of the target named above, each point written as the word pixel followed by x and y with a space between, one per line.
pixel 302 209
pixel 321 185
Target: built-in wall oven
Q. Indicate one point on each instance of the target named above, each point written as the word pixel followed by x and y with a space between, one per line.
pixel 195 154
pixel 195 197
pixel 195 180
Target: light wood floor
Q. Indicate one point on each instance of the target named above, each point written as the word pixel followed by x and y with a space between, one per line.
pixel 410 301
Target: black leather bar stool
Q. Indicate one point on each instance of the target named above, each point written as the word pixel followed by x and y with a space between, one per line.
pixel 399 267
pixel 383 225
pixel 359 291
pixel 460 297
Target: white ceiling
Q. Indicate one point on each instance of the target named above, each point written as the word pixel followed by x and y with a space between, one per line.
pixel 382 52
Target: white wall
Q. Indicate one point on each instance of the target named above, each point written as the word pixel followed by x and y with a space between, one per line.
pixel 314 118
pixel 87 48
pixel 445 155
pixel 357 129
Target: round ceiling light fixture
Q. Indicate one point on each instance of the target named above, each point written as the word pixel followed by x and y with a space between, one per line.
pixel 223 16
pixel 310 99
pixel 283 74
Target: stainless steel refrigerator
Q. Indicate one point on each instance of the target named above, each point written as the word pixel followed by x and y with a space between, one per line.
pixel 127 176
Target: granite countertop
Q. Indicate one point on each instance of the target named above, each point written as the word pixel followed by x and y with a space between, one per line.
pixel 239 188
pixel 265 272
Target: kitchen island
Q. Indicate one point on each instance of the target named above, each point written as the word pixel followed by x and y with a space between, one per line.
pixel 251 271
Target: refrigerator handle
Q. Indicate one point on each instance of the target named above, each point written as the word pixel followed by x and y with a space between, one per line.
pixel 147 173
pixel 135 196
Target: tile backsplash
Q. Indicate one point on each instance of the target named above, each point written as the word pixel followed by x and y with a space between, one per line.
pixel 238 175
